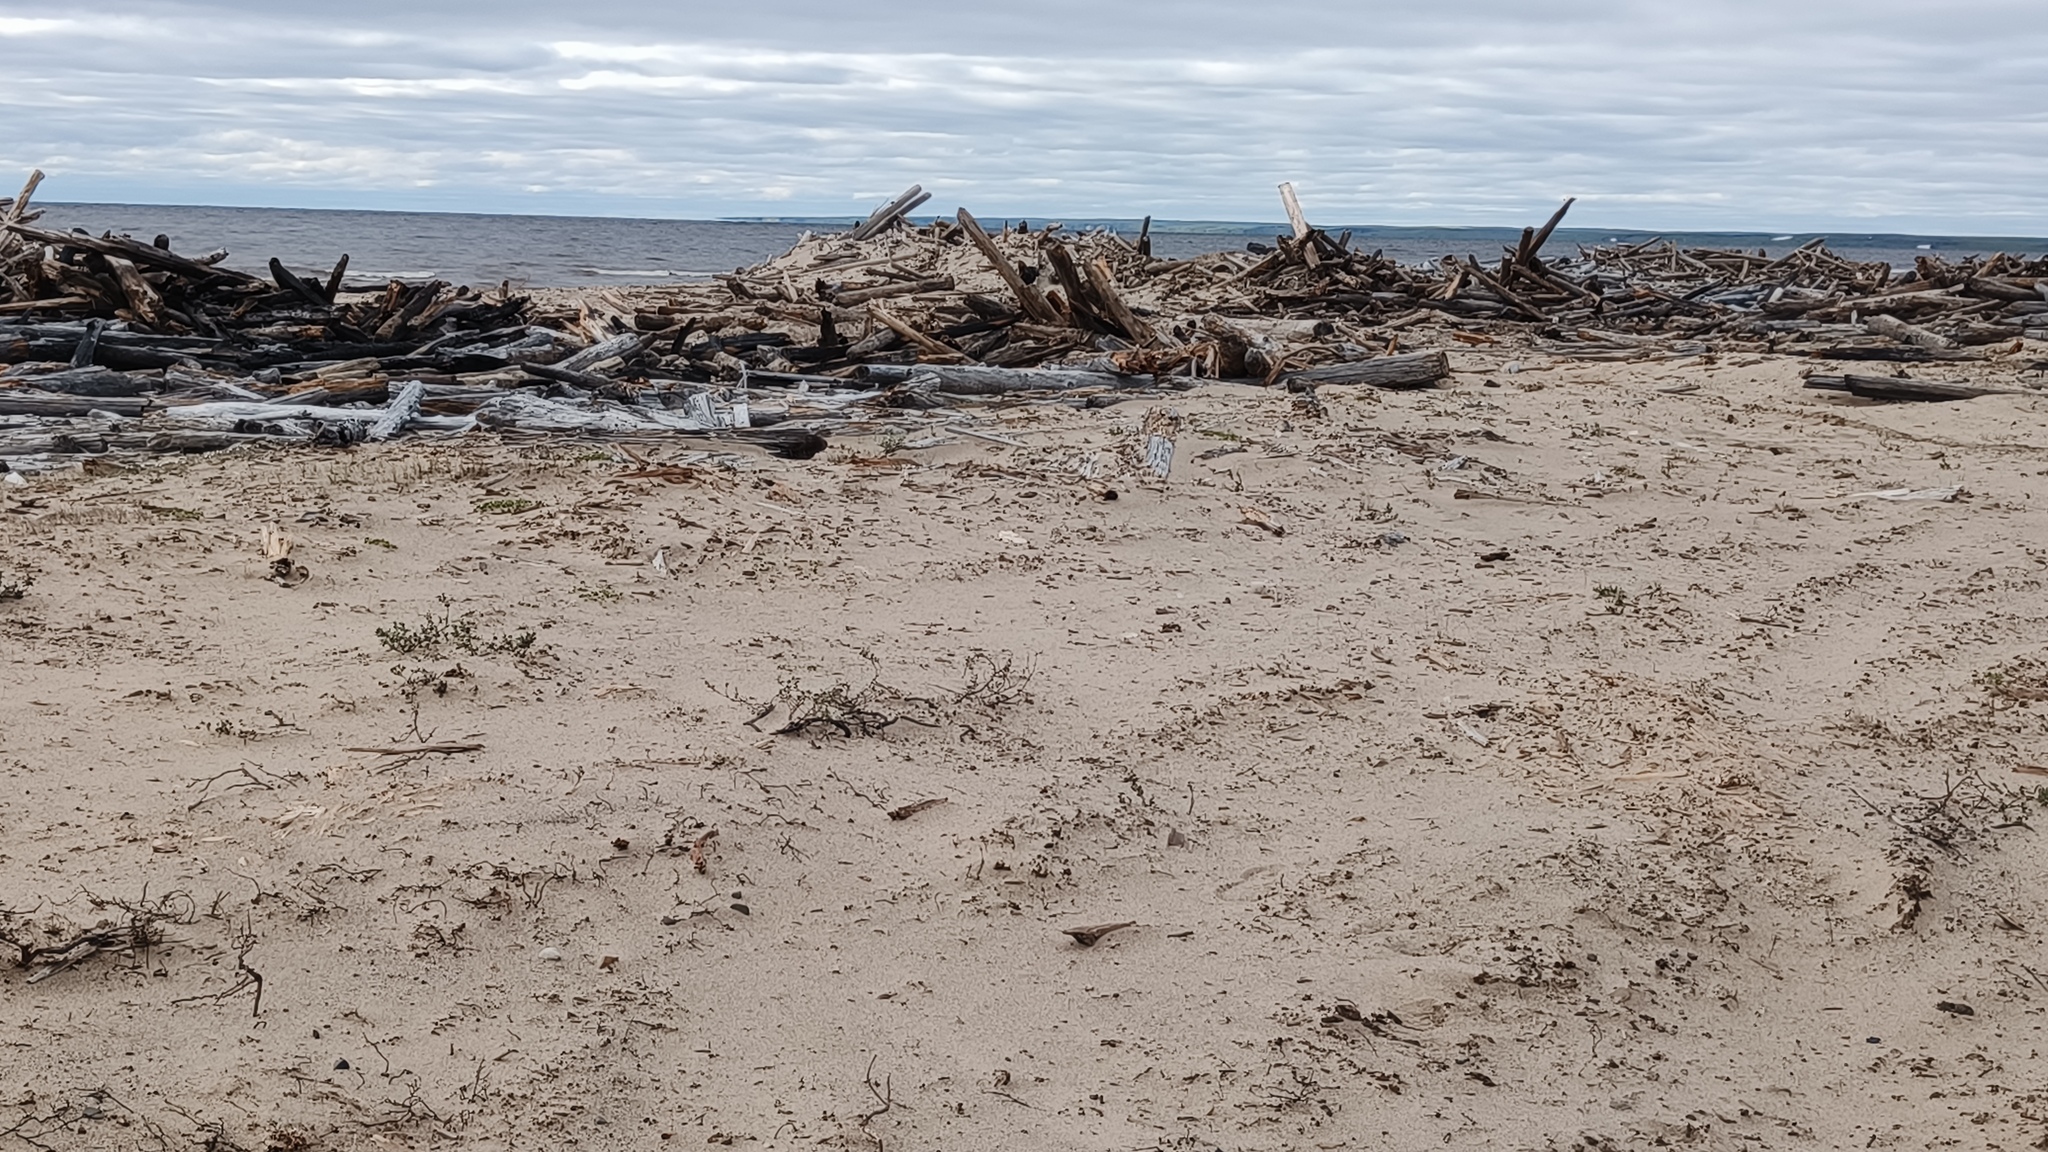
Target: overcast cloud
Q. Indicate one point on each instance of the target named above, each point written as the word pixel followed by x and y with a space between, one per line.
pixel 1822 114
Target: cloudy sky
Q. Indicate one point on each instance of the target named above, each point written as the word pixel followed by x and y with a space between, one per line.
pixel 1928 116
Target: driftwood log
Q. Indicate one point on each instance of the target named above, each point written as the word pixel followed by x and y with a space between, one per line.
pixel 1407 370
pixel 1907 388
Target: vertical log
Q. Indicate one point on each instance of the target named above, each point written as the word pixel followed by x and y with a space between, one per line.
pixel 1294 217
pixel 341 266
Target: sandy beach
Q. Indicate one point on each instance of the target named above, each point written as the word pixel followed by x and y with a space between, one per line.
pixel 1602 755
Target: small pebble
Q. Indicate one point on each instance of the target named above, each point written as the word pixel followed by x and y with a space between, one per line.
pixel 551 953
pixel 341 1065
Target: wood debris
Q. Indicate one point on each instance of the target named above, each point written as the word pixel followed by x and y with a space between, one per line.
pixel 109 343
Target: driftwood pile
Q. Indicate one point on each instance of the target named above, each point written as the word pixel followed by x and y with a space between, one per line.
pixel 108 342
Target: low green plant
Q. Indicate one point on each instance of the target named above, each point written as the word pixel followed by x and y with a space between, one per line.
pixel 435 635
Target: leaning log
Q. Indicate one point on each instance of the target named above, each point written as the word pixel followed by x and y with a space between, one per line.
pixel 1033 301
pixel 1407 370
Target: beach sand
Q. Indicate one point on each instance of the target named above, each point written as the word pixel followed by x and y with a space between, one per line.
pixel 1694 816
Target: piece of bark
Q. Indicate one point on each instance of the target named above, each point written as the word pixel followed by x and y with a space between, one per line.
pixel 1086 937
pixel 1407 370
pixel 1028 297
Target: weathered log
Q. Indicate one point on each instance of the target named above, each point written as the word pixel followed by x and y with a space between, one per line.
pixel 290 281
pixel 980 380
pixel 403 409
pixel 1407 370
pixel 33 402
pixel 1295 219
pixel 91 381
pixel 1896 329
pixel 1907 388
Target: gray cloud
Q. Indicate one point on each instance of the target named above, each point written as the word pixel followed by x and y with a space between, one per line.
pixel 1874 115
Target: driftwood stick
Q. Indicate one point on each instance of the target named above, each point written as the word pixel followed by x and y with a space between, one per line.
pixel 979 380
pixel 1501 290
pixel 854 296
pixel 922 342
pixel 52 304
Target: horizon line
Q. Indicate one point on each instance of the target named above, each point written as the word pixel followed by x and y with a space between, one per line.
pixel 1218 226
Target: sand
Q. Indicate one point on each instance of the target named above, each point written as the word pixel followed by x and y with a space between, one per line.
pixel 1548 761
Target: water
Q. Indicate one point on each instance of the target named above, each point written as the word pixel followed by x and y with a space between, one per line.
pixel 578 251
